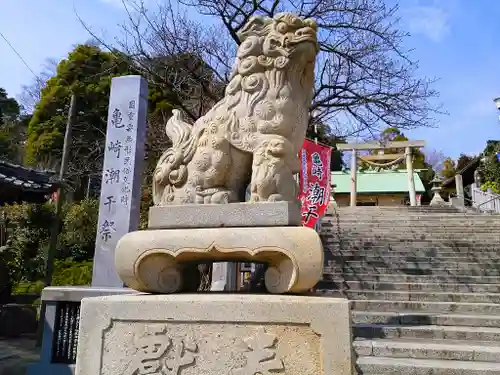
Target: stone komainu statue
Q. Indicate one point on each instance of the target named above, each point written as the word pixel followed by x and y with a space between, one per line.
pixel 252 136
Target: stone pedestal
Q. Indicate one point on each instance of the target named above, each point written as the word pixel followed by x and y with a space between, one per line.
pixel 155 260
pixel 214 334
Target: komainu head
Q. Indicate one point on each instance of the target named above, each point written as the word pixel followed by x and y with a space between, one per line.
pixel 278 41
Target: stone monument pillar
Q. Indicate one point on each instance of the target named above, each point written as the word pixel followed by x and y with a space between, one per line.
pixel 200 215
pixel 122 174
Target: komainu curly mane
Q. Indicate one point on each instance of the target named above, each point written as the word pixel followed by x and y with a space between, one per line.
pixel 266 102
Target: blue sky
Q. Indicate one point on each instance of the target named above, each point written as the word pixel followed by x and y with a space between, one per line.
pixel 453 40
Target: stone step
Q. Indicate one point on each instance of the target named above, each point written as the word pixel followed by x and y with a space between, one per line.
pixel 409 243
pixel 395 259
pixel 459 350
pixel 427 235
pixel 457 240
pixel 428 252
pixel 338 277
pixel 407 366
pixel 410 216
pixel 424 235
pixel 419 318
pixel 398 208
pixel 415 227
pixel 386 210
pixel 422 221
pixel 361 242
pixel 417 224
pixel 460 308
pixel 405 222
pixel 389 210
pixel 379 213
pixel 365 210
pixel 411 269
pixel 431 253
pixel 405 263
pixel 417 287
pixel 415 254
pixel 382 331
pixel 374 236
pixel 421 296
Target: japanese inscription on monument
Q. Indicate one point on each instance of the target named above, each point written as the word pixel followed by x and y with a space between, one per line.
pixel 159 352
pixel 122 169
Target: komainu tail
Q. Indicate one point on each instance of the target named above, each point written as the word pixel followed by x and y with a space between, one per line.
pixel 171 171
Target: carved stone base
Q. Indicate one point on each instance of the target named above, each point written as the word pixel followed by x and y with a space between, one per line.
pixel 214 334
pixel 154 260
pixel 270 214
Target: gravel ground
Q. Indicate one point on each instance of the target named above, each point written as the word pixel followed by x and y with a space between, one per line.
pixel 16 355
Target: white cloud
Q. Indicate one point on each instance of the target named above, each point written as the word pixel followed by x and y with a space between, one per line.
pixel 429 20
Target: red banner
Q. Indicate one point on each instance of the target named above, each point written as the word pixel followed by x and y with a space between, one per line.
pixel 314 181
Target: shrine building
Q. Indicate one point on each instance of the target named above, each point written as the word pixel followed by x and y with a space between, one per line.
pixel 375 188
pixel 20 184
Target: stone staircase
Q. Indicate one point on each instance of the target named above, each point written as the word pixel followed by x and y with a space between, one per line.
pixel 424 285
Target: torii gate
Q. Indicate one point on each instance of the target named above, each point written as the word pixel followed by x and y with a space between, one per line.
pixel 407 145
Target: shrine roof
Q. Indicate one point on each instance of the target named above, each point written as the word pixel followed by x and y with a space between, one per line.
pixel 26 179
pixel 376 182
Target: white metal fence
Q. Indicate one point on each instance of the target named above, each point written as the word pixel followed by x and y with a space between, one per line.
pixel 485 201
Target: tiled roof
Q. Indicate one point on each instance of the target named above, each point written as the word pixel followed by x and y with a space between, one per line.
pixel 27 179
pixel 386 181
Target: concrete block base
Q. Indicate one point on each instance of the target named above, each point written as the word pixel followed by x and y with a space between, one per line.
pixel 213 334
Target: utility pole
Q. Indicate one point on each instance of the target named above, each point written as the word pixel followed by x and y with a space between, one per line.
pixel 49 265
pixel 50 256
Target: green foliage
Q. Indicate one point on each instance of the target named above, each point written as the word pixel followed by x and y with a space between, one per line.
pixel 9 107
pixel 28 227
pixel 449 168
pixel 490 185
pixel 7 149
pixel 463 160
pixel 87 72
pixel 12 128
pixel 491 165
pixel 146 203
pixel 77 239
pixel 28 287
pixel 70 272
pixel 66 272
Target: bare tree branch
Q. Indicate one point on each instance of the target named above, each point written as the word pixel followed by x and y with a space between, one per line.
pixel 436 159
pixel 31 93
pixel 365 79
